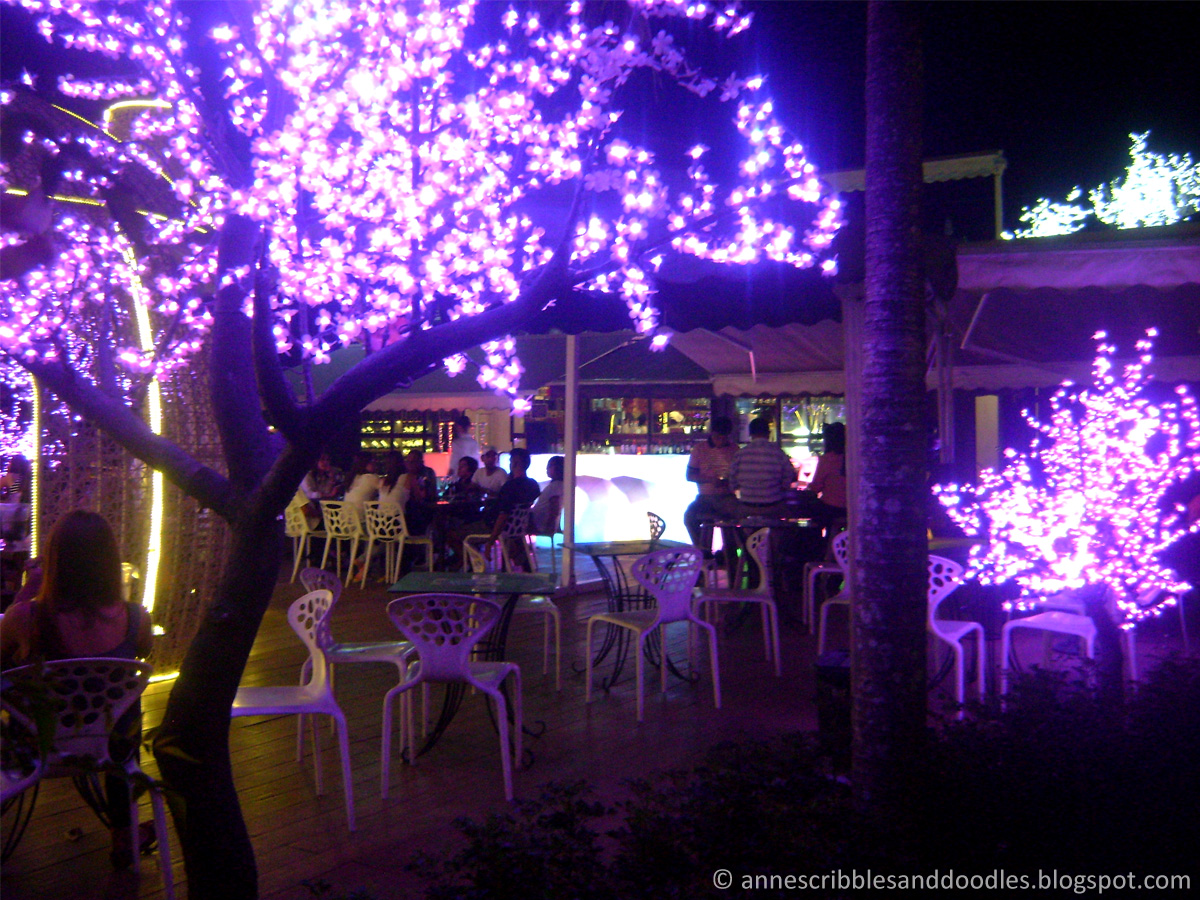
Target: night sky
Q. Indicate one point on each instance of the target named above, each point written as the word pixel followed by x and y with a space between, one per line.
pixel 1057 86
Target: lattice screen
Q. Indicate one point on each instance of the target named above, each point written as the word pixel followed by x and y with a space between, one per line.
pixel 82 469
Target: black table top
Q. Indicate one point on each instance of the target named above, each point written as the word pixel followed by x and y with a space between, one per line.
pixel 476 583
pixel 623 548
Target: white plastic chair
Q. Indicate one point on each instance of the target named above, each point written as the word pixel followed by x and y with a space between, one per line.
pixel 528 605
pixel 841 555
pixel 297 528
pixel 758 545
pixel 343 524
pixel 90 695
pixel 397 653
pixel 1063 614
pixel 385 525
pixel 944 578
pixel 305 615
pixel 518 532
pixel 657 525
pixel 814 570
pixel 670 577
pixel 445 628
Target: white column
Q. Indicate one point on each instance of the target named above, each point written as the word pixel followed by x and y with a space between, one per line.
pixel 570 447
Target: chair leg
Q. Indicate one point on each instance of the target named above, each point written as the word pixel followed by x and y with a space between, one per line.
pixel 325 556
pixel 502 727
pixel 960 688
pixel 347 780
pixel 773 618
pixel 518 713
pixel 1005 641
pixel 716 666
pixel 316 742
pixel 164 843
pixel 662 660
pixel 366 566
pixel 545 643
pixel 981 663
pixel 641 688
pixel 587 668
pixel 557 651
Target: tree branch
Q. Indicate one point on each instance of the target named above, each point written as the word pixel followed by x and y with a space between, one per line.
pixel 236 407
pixel 120 423
pixel 273 387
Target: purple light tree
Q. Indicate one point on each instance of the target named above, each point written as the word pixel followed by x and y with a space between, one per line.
pixel 1088 507
pixel 299 175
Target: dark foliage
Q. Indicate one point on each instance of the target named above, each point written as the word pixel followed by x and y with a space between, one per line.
pixel 1058 780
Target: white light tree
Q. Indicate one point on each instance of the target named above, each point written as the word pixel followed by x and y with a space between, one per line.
pixel 1090 503
pixel 297 175
pixel 1156 190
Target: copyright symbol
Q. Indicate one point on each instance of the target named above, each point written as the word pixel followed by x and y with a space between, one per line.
pixel 722 878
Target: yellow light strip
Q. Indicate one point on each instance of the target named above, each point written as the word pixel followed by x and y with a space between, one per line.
pixel 154 409
pixel 132 104
pixel 166 676
pixel 35 505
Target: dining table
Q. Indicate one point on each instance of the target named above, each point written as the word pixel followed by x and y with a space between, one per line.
pixel 622 593
pixel 509 585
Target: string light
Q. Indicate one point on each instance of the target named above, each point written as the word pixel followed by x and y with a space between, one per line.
pixel 1088 502
pixel 400 156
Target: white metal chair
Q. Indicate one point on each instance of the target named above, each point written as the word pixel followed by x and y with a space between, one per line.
pixel 305 615
pixel 758 545
pixel 1062 614
pixel 444 628
pixel 89 696
pixel 841 555
pixel 529 605
pixel 670 577
pixel 385 525
pixel 840 546
pixel 297 528
pixel 343 524
pixel 944 578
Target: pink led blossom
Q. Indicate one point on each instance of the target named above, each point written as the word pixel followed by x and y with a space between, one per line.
pixel 1087 503
pixel 407 163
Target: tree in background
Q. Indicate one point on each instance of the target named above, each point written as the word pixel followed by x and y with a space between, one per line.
pixel 1095 499
pixel 275 181
pixel 1156 190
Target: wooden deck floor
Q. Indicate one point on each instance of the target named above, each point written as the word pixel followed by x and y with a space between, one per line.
pixel 298 835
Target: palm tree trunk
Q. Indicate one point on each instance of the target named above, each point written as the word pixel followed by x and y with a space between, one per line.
pixel 888 622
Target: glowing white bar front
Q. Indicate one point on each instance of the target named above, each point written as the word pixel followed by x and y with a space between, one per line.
pixel 614 492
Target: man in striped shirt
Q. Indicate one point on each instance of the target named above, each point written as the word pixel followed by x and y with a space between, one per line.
pixel 761 473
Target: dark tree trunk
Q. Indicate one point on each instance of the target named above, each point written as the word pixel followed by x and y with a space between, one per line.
pixel 888 665
pixel 192 746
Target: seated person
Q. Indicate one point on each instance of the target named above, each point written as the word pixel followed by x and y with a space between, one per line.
pixel 829 481
pixel 518 491
pixel 464 490
pixel 490 477
pixel 80 611
pixel 421 483
pixel 548 507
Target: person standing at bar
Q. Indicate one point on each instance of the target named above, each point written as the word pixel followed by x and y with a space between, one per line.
pixel 463 443
pixel 708 467
pixel 761 473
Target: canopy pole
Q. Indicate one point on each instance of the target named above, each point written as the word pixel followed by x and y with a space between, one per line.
pixel 570 447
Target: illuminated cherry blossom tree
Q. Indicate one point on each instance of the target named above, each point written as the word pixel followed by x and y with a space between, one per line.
pixel 1157 190
pixel 275 181
pixel 1091 501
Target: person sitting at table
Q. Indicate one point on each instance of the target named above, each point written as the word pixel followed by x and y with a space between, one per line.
pixel 364 482
pixel 548 507
pixel 761 473
pixel 394 487
pixel 79 611
pixel 518 490
pixel 14 483
pixel 464 490
pixel 829 480
pixel 330 481
pixel 421 483
pixel 490 477
pixel 708 467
